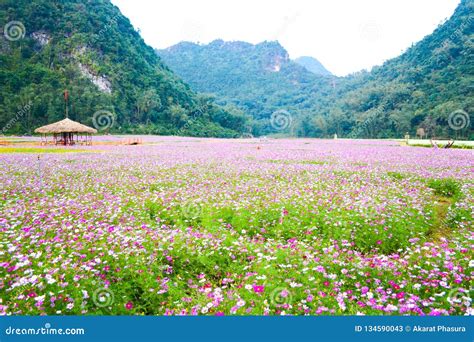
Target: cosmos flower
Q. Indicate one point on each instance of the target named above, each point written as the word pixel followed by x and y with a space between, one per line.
pixel 108 223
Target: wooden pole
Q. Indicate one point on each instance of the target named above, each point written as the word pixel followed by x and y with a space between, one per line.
pixel 66 97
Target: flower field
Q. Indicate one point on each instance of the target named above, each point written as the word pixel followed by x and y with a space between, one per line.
pixel 183 226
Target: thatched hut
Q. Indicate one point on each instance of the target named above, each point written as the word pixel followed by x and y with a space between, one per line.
pixel 67 132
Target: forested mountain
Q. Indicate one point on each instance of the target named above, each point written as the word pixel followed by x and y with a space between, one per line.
pixel 419 89
pixel 430 86
pixel 313 65
pixel 91 49
pixel 260 79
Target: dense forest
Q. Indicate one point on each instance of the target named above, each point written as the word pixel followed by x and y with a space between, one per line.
pixel 259 79
pixel 92 50
pixel 426 87
pixel 430 86
pixel 235 88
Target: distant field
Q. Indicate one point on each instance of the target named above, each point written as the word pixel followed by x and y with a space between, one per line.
pixel 40 150
pixel 237 227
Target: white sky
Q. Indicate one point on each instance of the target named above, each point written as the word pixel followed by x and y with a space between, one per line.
pixel 344 35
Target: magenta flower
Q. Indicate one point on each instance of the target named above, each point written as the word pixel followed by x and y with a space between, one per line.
pixel 129 305
pixel 258 288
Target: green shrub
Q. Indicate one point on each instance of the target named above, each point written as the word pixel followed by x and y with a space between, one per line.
pixel 445 187
pixel 396 175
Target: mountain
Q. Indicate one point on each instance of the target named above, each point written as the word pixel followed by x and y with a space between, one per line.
pixel 91 49
pixel 259 79
pixel 313 65
pixel 429 86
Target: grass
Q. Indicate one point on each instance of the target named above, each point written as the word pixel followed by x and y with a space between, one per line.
pixel 445 187
pixel 440 227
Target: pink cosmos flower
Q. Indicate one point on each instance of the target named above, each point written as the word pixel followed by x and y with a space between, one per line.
pixel 129 305
pixel 258 288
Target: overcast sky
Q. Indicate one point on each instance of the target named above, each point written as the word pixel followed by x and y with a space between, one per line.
pixel 344 35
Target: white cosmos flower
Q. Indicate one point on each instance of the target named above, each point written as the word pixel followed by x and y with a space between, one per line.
pixel 50 279
pixel 39 298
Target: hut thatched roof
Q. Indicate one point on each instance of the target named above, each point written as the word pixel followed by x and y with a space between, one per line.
pixel 65 126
